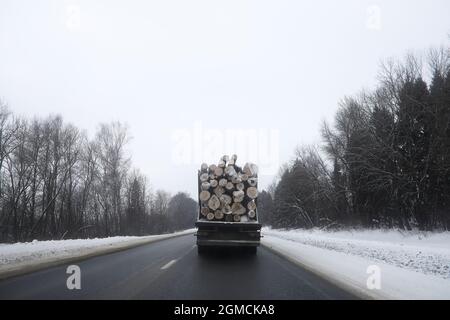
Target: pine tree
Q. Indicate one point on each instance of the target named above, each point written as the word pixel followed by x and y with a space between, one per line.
pixel 415 123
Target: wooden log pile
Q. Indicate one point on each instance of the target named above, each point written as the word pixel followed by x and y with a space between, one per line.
pixel 228 192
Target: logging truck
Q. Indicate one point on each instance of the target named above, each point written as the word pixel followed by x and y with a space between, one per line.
pixel 227 198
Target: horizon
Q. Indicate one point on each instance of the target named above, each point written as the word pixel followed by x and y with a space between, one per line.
pixel 166 72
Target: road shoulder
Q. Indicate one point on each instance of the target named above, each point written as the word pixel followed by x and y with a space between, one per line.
pixel 352 273
pixel 13 269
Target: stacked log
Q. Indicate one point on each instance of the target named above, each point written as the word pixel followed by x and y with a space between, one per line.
pixel 228 192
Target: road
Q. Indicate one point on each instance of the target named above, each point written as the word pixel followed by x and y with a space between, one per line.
pixel 172 269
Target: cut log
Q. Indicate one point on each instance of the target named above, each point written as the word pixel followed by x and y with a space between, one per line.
pixel 204 211
pixel 212 167
pixel 238 196
pixel 204 177
pixel 221 164
pixel 218 172
pixel 253 181
pixel 244 177
pixel 214 203
pixel 236 179
pixel 230 171
pixel 225 199
pixel 250 169
pixel 252 192
pixel 251 205
pixel 204 196
pixel 223 182
pixel 218 215
pixel 218 191
pixel 205 186
pixel 233 159
pixel 228 192
pixel 213 183
pixel 226 209
pixel 238 208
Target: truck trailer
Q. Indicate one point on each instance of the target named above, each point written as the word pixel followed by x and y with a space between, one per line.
pixel 227 214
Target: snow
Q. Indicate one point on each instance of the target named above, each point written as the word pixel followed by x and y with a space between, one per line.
pixel 17 256
pixel 412 265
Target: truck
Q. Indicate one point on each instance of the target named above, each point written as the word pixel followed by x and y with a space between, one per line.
pixel 227 206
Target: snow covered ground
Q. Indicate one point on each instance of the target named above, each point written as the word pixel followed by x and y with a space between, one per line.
pixel 21 257
pixel 412 265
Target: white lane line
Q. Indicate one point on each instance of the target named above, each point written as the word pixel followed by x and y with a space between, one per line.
pixel 169 264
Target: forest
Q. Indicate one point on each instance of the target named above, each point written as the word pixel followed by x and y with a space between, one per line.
pixel 55 183
pixel 384 162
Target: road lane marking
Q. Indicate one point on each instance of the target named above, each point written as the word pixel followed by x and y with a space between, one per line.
pixel 169 264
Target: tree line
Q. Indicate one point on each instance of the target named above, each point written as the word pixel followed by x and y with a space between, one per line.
pixel 55 183
pixel 384 162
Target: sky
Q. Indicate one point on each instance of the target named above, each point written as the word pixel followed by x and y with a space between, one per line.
pixel 194 80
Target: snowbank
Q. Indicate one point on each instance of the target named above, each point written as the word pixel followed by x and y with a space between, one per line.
pixel 412 265
pixel 18 258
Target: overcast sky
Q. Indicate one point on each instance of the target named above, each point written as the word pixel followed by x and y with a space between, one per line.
pixel 188 77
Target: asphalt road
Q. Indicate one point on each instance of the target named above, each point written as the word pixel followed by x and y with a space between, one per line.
pixel 172 269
